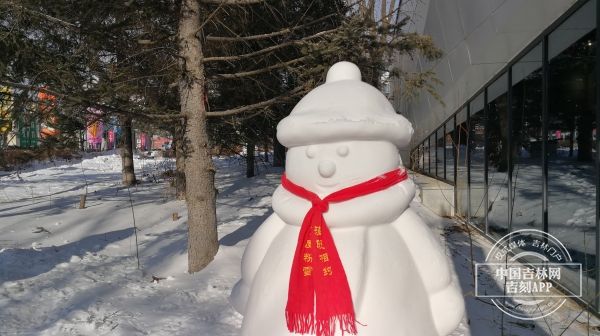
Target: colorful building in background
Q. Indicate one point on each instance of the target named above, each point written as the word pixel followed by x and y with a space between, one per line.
pixel 111 138
pixel 34 122
pixel 160 142
pixel 143 141
pixel 94 134
pixel 6 122
pixel 47 109
pixel 28 127
pixel 95 129
pixel 19 130
pixel 111 135
pixel 39 120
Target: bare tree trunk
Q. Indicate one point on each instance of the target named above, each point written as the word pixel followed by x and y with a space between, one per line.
pixel 250 158
pixel 203 242
pixel 82 140
pixel 127 153
pixel 180 175
pixel 179 147
pixel 266 153
pixel 278 152
pixel 389 17
pixel 2 159
pixel 383 13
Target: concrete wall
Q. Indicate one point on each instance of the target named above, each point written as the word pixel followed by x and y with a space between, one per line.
pixel 435 194
pixel 478 37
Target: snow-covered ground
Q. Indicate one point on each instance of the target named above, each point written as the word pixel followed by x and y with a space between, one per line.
pixel 71 271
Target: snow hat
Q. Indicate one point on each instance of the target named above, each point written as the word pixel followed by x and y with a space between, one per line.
pixel 343 109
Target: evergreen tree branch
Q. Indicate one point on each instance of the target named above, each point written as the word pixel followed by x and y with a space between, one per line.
pixel 293 93
pixel 88 103
pixel 231 2
pixel 266 35
pixel 268 49
pixel 43 15
pixel 259 71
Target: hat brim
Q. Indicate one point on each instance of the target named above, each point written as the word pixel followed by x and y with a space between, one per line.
pixel 302 130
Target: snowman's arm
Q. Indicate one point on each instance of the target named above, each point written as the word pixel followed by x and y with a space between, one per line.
pixel 445 298
pixel 252 259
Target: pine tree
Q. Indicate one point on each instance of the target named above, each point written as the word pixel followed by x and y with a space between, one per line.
pixel 210 72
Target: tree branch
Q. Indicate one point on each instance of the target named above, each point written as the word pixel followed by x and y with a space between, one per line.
pixel 267 35
pixel 268 49
pixel 46 16
pixel 231 2
pixel 89 103
pixel 295 92
pixel 258 71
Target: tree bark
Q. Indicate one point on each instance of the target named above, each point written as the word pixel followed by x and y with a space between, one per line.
pixel 179 178
pixel 127 153
pixel 203 242
pixel 250 158
pixel 82 141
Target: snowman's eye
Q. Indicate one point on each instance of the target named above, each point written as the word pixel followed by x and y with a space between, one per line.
pixel 342 151
pixel 311 152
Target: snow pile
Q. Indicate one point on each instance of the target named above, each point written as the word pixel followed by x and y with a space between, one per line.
pixel 70 271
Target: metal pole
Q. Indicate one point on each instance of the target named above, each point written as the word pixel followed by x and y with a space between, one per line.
pixel 545 79
pixel 468 162
pixel 508 144
pixel 485 158
pixel 597 231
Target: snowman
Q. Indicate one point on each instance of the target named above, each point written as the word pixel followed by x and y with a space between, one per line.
pixel 343 253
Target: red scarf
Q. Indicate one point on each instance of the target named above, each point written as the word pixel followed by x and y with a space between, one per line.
pixel 318 276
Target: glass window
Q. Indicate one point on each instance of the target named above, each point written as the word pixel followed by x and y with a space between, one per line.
pixel 426 156
pixel 432 155
pixel 420 157
pixel 497 157
pixel 439 152
pixel 571 140
pixel 449 150
pixel 414 158
pixel 527 141
pixel 462 182
pixel 477 192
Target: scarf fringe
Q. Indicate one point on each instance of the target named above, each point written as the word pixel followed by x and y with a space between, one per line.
pixel 303 323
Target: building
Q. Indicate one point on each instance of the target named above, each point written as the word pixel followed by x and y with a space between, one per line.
pixel 514 144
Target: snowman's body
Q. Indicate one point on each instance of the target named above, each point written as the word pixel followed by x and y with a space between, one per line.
pixel 399 276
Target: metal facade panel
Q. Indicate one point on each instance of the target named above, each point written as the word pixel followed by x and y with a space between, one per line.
pixel 493 32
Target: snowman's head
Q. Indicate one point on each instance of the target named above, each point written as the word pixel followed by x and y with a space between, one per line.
pixel 342 133
pixel 326 168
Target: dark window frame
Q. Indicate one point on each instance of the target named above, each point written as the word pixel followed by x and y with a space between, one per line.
pixel 542 39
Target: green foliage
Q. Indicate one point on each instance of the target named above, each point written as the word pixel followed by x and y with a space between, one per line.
pixel 121 57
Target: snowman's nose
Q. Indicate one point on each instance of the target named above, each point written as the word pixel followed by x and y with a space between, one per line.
pixel 326 168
